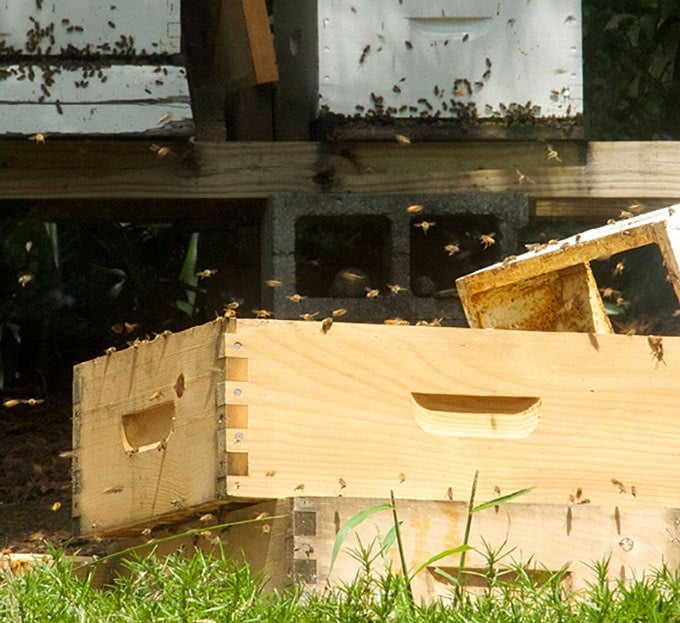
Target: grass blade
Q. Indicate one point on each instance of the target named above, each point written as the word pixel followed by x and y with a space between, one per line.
pixel 352 523
pixel 500 500
pixel 456 550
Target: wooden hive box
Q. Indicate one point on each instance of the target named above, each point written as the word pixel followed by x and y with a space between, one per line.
pixel 223 414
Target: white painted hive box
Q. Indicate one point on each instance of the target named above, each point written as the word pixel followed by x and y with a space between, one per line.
pixel 412 58
pixel 92 67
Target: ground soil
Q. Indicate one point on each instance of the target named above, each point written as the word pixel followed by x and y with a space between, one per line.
pixel 35 481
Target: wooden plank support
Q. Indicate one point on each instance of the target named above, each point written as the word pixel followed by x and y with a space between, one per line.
pixel 595 184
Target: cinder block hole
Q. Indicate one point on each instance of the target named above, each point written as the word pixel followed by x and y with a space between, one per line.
pixel 145 430
pixel 330 250
pixel 434 267
pixel 237 463
pixel 636 293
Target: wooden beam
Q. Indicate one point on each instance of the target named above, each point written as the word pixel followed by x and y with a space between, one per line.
pixel 592 181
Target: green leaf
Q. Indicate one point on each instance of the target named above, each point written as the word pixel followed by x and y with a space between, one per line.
pixel 188 275
pixel 388 540
pixel 436 557
pixel 352 523
pixel 500 500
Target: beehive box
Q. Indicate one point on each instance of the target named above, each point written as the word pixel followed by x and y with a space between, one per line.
pixel 92 67
pixel 416 59
pixel 264 409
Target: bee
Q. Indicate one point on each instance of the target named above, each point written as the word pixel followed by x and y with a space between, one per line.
pixel 395 288
pixel 295 298
pixel 619 268
pixel 488 63
pixel 55 507
pixel 609 293
pixel 656 344
pixel 402 477
pixel 617 483
pixel 111 24
pixel 425 225
pixel 326 324
pixel 372 293
pixel 39 137
pixel 342 483
pixel 348 275
pixel 155 395
pixel 569 19
pixel 534 246
pixel 559 70
pixel 570 518
pixel 452 248
pixel 31 402
pixel 522 178
pixel 449 494
pixel 146 532
pixel 397 89
pixel 552 154
pixel 233 305
pixel 466 36
pixel 364 53
pixel 308 317
pixel 399 322
pixel 273 283
pixel 458 92
pixel 436 89
pixel 487 240
pixel 414 209
pixel 635 207
pixel 409 45
pixel 487 74
pixel 624 214
pixel 114 489
pixel 633 491
pixel 110 350
pixel 300 487
pixel 24 279
pixel 165 118
pixel 337 313
pixel 161 152
pixel 617 519
pixel 262 313
pixel 208 272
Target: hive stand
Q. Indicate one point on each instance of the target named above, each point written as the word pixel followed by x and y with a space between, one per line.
pixel 551 288
pixel 282 259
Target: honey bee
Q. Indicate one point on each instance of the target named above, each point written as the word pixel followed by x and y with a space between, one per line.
pixel 300 487
pixel 452 249
pixel 262 313
pixel 449 494
pixel 402 139
pixel 31 402
pixel 466 36
pixel 110 350
pixel 364 53
pixel 619 268
pixel 24 279
pixel 617 519
pixel 617 483
pixel 273 283
pixel 55 507
pixel 656 344
pixel 326 324
pixel 229 313
pixel 396 321
pixel 409 45
pixel 522 178
pixel 39 137
pixel 458 92
pixel 165 118
pixel 570 518
pixel 112 490
pixel 161 152
pixel 233 305
pixel 402 477
pixel 348 275
pixel 155 395
pixel 633 491
pixel 337 313
pixel 342 483
pixel 208 272
pixel 552 154
pixel 425 225
pixel 270 474
pixel 395 288
pixel 487 240
pixel 179 385
pixel 560 70
pixel 635 207
pixel 414 209
pixel 146 532
pixel 308 316
pixel 372 293
pixel 295 298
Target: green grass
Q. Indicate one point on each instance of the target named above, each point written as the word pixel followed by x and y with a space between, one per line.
pixel 202 588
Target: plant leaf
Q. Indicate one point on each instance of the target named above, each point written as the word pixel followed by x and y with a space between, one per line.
pixel 500 500
pixel 352 523
pixel 439 556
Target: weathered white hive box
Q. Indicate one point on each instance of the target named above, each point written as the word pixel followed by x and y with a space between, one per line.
pixel 273 409
pixel 92 67
pixel 552 288
pixel 431 59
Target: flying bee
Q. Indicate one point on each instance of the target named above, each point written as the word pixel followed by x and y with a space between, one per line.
pixel 609 293
pixel 372 293
pixel 396 88
pixel 402 477
pixel 449 494
pixel 624 214
pixel 656 344
pixel 348 275
pixel 552 154
pixel 308 316
pixel 300 487
pixel 414 209
pixel 487 240
pixel 402 139
pixel 24 279
pixel 522 178
pixel 165 118
pixel 619 268
pixel 452 249
pixel 273 283
pixel 395 288
pixel 161 152
pixel 337 313
pixel 560 70
pixel 635 207
pixel 39 138
pixel 155 395
pixel 208 272
pixel 326 324
pixel 342 483
pixel 296 298
pixel 233 305
pixel 466 36
pixel 617 483
pixel 425 225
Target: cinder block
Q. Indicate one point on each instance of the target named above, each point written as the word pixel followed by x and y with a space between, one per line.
pixel 313 242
